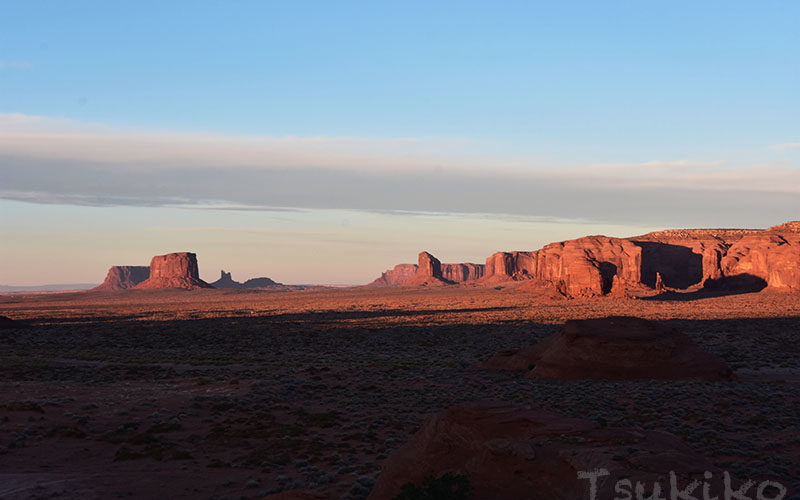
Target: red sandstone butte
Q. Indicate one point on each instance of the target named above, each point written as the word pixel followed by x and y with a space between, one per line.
pixel 429 271
pixel 124 277
pixel 614 348
pixel 691 259
pixel 515 452
pixel 396 276
pixel 174 270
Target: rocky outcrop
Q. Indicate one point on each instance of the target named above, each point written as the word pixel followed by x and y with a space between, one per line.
pixel 658 262
pixel 459 273
pixel 396 276
pixel 515 452
pixel 743 259
pixel 174 270
pixel 123 277
pixel 261 283
pixel 226 281
pixel 430 270
pixel 614 348
pixel 582 267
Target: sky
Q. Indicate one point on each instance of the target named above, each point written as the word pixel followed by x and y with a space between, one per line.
pixel 324 142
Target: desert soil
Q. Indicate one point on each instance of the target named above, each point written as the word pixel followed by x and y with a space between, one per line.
pixel 239 394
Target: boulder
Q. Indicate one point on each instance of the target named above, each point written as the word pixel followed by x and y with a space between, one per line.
pixel 124 277
pixel 174 270
pixel 513 452
pixel 614 348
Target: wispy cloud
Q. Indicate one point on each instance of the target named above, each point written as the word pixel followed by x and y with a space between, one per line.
pixel 786 145
pixel 46 160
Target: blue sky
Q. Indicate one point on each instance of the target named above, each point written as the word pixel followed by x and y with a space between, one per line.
pixel 622 114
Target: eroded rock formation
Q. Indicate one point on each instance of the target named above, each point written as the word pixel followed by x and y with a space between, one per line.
pixel 513 452
pixel 430 270
pixel 123 277
pixel 174 270
pixel 742 259
pixel 614 348
pixel 226 281
pixel 396 276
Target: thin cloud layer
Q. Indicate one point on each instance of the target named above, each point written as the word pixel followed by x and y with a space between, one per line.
pixel 45 160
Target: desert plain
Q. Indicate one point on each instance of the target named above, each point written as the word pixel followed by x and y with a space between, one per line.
pixel 224 394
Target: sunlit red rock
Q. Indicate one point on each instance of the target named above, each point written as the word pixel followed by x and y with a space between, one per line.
pixel 174 270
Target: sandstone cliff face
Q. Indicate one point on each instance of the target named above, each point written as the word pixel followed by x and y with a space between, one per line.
pixel 396 276
pixel 124 277
pixel 583 267
pixel 746 259
pixel 458 273
pixel 430 270
pixel 174 270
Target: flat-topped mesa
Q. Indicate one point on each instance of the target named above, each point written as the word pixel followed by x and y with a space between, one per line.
pixel 430 270
pixel 742 259
pixel 582 267
pixel 174 270
pixel 396 276
pixel 123 277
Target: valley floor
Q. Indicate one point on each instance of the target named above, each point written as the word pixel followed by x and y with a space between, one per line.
pixel 239 393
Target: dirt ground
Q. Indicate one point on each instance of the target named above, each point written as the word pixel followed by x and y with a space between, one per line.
pixel 239 394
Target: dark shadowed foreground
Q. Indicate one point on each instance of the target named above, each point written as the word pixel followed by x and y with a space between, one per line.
pixel 241 394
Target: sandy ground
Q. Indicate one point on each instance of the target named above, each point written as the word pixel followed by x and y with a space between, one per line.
pixel 239 394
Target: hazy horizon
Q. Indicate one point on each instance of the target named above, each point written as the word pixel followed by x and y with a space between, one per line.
pixel 324 143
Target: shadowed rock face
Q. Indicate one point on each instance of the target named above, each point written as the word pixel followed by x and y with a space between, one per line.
pixel 514 452
pixel 174 270
pixel 124 277
pixel 225 281
pixel 614 348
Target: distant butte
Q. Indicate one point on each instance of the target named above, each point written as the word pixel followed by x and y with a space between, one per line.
pixel 124 277
pixel 670 261
pixel 225 281
pixel 430 271
pixel 174 270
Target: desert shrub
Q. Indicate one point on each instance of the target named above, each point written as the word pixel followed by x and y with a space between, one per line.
pixel 445 487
